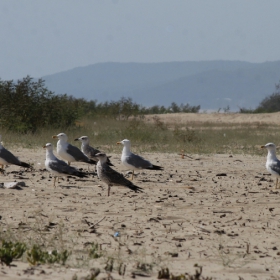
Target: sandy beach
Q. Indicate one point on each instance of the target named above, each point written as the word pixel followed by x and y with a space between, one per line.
pixel 219 211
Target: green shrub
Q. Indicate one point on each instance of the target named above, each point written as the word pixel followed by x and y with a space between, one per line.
pixel 94 251
pixel 28 105
pixel 10 251
pixel 37 256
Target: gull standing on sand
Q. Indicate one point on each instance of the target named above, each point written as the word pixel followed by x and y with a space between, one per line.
pixel 7 158
pixel 112 177
pixel 272 162
pixel 69 152
pixel 133 161
pixel 59 167
pixel 89 151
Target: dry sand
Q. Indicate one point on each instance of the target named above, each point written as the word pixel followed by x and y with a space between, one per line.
pixel 219 118
pixel 218 211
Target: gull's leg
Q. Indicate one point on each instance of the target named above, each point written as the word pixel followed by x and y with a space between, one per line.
pixel 132 175
pixel 109 187
pixel 54 178
pixel 276 186
pixel 182 155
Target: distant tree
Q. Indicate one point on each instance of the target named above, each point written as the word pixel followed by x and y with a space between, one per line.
pixel 27 105
pixel 268 105
pixel 128 107
pixel 246 111
pixel 174 108
pixel 186 108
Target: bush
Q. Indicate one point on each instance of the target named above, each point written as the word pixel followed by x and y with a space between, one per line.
pixel 10 251
pixel 28 105
pixel 37 256
pixel 269 104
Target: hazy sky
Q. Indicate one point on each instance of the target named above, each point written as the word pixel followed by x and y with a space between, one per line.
pixel 41 37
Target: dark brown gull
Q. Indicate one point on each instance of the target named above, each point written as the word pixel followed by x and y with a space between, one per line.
pixel 111 177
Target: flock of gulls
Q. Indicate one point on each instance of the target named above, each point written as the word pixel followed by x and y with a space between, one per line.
pixel 69 153
pixel 105 172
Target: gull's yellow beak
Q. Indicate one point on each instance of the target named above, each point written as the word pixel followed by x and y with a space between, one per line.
pixel 54 137
pixel 118 143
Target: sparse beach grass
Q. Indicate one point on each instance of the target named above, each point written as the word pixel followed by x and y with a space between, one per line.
pixel 155 135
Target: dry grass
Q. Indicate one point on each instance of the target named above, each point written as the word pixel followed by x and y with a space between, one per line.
pixel 160 135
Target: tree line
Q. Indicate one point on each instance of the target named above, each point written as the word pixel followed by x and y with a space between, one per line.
pixel 27 105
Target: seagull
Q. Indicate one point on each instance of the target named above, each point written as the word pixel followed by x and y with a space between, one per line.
pixel 133 161
pixel 69 152
pixel 89 151
pixel 59 167
pixel 7 158
pixel 112 177
pixel 272 162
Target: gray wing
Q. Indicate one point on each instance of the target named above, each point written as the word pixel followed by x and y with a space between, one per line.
pixel 114 178
pixel 138 161
pixel 9 157
pixel 91 152
pixel 276 167
pixel 76 153
pixel 62 167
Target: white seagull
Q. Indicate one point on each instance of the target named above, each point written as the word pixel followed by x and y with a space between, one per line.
pixel 272 162
pixel 59 167
pixel 133 161
pixel 7 158
pixel 112 177
pixel 69 152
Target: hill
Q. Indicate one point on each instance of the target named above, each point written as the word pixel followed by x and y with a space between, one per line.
pixel 211 84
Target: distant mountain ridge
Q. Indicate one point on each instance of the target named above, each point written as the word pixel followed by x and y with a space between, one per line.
pixel 210 84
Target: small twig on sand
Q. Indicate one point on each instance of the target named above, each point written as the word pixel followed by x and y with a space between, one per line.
pixel 92 226
pixel 184 155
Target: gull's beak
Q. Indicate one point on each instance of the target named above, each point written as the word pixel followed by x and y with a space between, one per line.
pixel 44 147
pixel 54 137
pixel 118 143
pixel 262 147
pixel 77 139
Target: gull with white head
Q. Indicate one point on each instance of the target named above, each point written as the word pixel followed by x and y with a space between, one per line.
pixel 58 167
pixel 272 162
pixel 133 161
pixel 69 152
